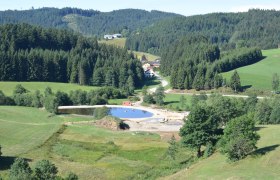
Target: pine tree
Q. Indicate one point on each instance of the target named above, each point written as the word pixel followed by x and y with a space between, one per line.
pixel 235 83
pixel 275 82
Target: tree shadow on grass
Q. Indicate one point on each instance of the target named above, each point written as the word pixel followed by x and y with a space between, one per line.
pixel 259 128
pixel 170 102
pixel 244 88
pixel 264 150
pixel 7 161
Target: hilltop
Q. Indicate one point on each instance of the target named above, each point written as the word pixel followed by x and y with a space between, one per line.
pixel 86 22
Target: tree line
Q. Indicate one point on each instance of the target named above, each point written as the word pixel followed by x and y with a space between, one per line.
pixel 30 53
pixel 195 63
pixel 51 100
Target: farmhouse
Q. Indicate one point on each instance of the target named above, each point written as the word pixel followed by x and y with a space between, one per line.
pixel 149 73
pixel 116 36
pixel 108 36
pixel 112 36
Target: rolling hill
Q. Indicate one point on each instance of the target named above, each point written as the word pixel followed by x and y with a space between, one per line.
pixel 86 22
pixel 255 28
pixel 264 164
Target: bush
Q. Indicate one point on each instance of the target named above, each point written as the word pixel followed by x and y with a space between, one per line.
pixel 148 99
pixel 20 170
pixel 239 138
pixel 71 176
pixel 100 113
pixel 45 170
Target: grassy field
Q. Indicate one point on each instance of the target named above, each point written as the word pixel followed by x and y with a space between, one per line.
pixel 121 43
pixel 150 57
pixel 8 87
pixel 259 75
pixel 115 42
pixel 88 151
pixel 172 101
pixel 23 128
pixel 265 164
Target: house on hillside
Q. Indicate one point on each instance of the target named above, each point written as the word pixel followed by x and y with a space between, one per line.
pixel 149 73
pixel 108 36
pixel 116 36
pixel 146 66
pixel 155 63
pixel 112 36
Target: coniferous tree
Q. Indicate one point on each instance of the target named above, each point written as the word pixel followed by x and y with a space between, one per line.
pixel 235 83
pixel 275 82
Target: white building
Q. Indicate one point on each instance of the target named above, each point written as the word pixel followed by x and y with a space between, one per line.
pixel 108 36
pixel 114 36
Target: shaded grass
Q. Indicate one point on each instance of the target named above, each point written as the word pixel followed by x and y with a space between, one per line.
pixel 8 87
pixel 259 75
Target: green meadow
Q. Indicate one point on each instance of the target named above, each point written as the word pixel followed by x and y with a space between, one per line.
pixel 121 43
pixel 259 75
pixel 8 87
pixel 172 101
pixel 88 151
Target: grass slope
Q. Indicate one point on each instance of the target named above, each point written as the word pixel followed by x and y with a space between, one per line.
pixel 259 75
pixel 121 43
pixel 8 87
pixel 265 166
pixel 24 128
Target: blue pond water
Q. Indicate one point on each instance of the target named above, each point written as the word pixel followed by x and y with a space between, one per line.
pixel 129 113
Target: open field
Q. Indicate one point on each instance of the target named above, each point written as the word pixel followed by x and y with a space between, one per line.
pixel 24 128
pixel 88 151
pixel 172 101
pixel 259 75
pixel 8 87
pixel 121 43
pixel 266 166
pixel 150 57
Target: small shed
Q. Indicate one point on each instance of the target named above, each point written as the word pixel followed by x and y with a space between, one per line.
pixel 127 103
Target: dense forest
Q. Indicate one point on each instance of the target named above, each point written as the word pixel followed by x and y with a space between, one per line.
pixel 195 63
pixel 255 28
pixel 87 22
pixel 30 53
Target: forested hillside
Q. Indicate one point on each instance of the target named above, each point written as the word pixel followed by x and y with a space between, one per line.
pixel 87 22
pixel 195 63
pixel 30 53
pixel 255 28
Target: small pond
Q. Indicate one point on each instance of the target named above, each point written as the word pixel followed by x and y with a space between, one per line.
pixel 120 112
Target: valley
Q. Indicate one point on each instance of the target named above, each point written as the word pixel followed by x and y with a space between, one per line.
pixel 139 94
